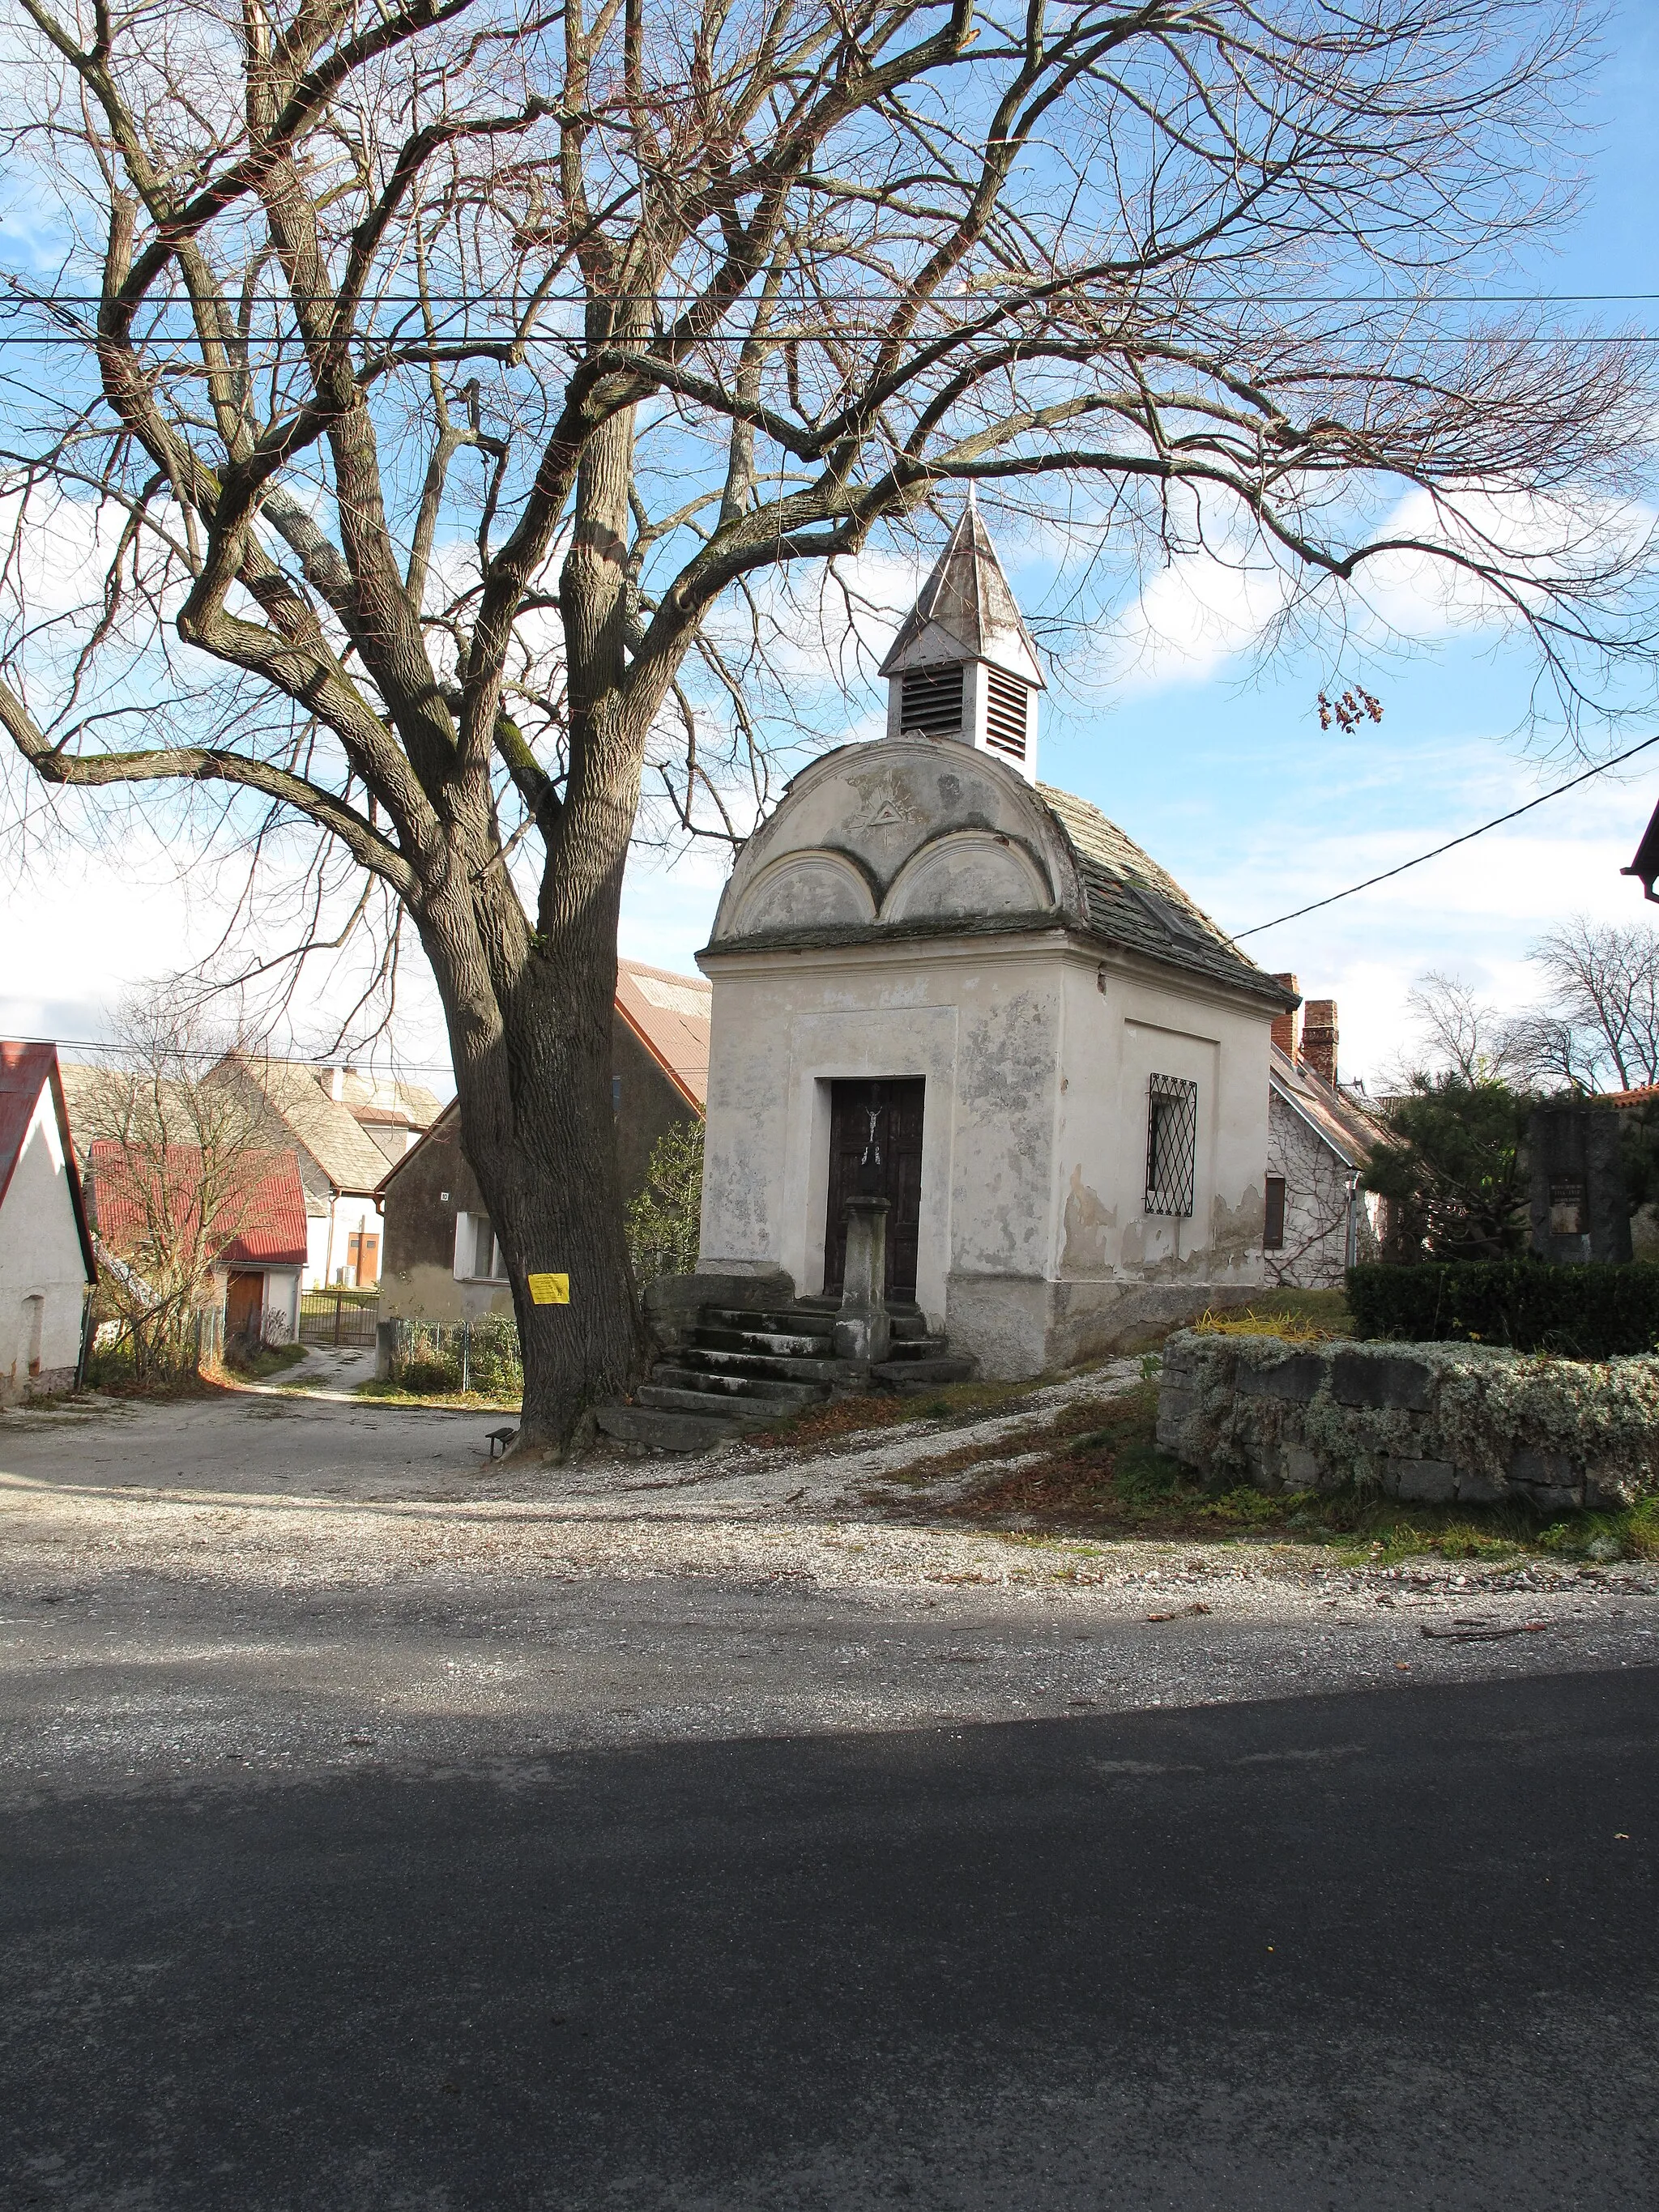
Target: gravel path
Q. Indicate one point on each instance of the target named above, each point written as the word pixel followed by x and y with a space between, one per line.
pixel 283 1582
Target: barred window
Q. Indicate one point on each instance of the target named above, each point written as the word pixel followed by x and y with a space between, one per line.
pixel 930 702
pixel 1171 1145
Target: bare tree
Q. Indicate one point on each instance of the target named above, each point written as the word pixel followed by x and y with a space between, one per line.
pixel 423 393
pixel 1456 1033
pixel 1603 1006
pixel 173 1160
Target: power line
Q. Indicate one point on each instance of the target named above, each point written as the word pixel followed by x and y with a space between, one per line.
pixel 979 296
pixel 415 339
pixel 1497 821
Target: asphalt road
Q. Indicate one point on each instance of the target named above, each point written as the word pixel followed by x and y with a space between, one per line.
pixel 1385 1948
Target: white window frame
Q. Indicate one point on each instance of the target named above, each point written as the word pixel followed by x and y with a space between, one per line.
pixel 465 1262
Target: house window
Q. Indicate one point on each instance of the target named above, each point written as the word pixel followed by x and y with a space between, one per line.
pixel 1008 707
pixel 930 702
pixel 478 1254
pixel 1273 1235
pixel 1171 1145
pixel 616 1094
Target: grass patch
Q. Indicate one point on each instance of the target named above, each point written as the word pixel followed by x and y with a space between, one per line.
pixel 386 1392
pixel 269 1359
pixel 1102 1474
pixel 1299 1317
pixel 831 1418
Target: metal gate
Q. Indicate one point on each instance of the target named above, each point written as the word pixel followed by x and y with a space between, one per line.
pixel 343 1318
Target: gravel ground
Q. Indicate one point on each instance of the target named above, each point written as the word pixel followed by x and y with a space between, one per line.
pixel 284 1582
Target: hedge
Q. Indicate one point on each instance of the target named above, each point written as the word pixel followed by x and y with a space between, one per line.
pixel 1592 1312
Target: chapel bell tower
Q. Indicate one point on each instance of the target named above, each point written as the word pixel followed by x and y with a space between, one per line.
pixel 963 665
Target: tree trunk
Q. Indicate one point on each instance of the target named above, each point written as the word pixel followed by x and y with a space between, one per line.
pixel 545 1096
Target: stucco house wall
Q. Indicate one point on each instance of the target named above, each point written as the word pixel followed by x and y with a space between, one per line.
pixel 431 1188
pixel 41 1259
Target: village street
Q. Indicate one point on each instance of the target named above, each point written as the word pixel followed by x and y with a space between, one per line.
pixel 387 1827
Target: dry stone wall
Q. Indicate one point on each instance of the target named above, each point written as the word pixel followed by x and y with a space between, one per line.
pixel 1439 1424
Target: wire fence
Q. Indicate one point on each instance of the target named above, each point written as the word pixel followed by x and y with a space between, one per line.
pixel 432 1357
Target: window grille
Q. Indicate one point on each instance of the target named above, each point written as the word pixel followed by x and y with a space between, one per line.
pixel 930 702
pixel 1272 1234
pixel 1008 707
pixel 1171 1145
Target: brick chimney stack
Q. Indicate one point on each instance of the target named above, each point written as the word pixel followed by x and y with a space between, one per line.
pixel 1319 1038
pixel 1285 1026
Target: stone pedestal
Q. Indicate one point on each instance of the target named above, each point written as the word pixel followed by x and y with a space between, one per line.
pixel 862 1329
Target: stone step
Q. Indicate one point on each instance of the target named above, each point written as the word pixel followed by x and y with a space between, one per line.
pixel 906 1327
pixel 921 1347
pixel 672 1377
pixel 712 1361
pixel 908 1376
pixel 784 1320
pixel 772 1344
pixel 670 1432
pixel 719 1413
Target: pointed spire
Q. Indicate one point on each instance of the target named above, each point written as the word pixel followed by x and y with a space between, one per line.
pixel 966 610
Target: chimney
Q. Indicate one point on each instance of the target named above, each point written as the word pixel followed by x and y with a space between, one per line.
pixel 1319 1038
pixel 335 1083
pixel 1285 1026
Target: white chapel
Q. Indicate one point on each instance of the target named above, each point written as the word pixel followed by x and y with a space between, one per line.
pixel 933 969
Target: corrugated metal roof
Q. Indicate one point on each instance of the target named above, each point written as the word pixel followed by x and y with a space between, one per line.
pixel 261 1219
pixel 670 1013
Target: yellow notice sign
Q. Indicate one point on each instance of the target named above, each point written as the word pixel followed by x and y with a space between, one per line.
pixel 550 1290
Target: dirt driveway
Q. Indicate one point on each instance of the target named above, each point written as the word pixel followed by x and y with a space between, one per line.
pixel 290 1579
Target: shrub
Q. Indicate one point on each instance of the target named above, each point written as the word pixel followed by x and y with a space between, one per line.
pixel 429 1377
pixel 663 1219
pixel 1581 1312
pixel 1452 1170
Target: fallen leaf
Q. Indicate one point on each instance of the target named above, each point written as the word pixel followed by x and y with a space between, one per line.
pixel 1181 1612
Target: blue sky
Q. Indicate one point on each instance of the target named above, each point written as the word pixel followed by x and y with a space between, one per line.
pixel 1222 772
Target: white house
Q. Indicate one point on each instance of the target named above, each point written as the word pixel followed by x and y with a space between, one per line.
pixel 934 971
pixel 46 1252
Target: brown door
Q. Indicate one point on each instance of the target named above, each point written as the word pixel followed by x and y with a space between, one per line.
pixel 895 1138
pixel 245 1305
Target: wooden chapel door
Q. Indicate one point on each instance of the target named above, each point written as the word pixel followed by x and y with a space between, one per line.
pixel 897 1103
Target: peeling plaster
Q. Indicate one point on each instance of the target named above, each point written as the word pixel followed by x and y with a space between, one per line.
pixel 1089 1231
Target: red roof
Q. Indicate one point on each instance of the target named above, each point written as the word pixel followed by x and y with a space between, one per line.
pixel 670 1015
pixel 25 1071
pixel 262 1216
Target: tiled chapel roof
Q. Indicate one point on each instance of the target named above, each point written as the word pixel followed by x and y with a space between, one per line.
pixel 1134 902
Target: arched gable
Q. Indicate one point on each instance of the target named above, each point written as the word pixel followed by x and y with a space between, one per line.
pixel 855 824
